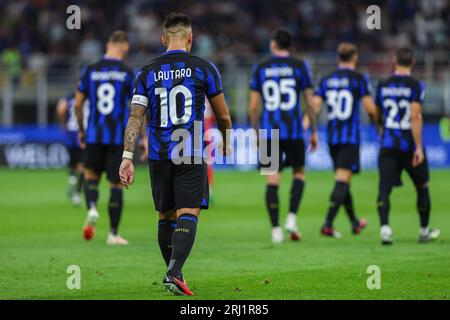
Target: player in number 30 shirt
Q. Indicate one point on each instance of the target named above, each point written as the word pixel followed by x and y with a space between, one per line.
pixel 343 91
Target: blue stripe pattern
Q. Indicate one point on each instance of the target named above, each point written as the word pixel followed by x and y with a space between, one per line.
pixel 107 129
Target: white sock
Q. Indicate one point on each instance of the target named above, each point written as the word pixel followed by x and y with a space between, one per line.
pixel 423 231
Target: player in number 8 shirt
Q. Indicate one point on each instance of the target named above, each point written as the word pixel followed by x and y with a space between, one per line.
pixel 108 85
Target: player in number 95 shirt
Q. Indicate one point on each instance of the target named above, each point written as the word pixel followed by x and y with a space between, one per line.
pixel 108 85
pixel 171 90
pixel 275 104
pixel 400 99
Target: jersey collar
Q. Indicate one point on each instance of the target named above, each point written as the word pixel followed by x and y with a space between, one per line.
pixel 110 58
pixel 174 51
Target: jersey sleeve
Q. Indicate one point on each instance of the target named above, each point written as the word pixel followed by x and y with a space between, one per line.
pixel 213 81
pixel 365 88
pixel 130 84
pixel 83 83
pixel 140 96
pixel 378 98
pixel 321 90
pixel 419 93
pixel 255 83
pixel 307 81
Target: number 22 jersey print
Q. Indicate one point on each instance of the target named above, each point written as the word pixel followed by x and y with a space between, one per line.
pixel 108 85
pixel 394 98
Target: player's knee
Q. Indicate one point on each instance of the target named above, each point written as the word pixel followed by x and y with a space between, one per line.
pixel 193 211
pixel 90 174
pixel 299 173
pixel 273 180
pixel 168 215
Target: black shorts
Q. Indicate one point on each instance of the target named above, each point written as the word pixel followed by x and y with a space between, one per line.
pixel 291 153
pixel 107 158
pixel 345 156
pixel 76 156
pixel 391 163
pixel 176 186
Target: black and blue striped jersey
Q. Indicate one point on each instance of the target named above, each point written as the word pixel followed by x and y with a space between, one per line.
pixel 108 85
pixel 280 80
pixel 342 91
pixel 173 88
pixel 393 98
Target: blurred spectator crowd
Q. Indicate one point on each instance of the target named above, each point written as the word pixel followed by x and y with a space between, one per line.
pixel 227 30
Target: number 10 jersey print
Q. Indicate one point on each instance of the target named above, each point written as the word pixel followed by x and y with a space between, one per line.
pixel 108 85
pixel 173 88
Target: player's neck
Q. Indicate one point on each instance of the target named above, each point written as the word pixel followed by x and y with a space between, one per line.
pixel 281 53
pixel 350 66
pixel 402 71
pixel 113 55
pixel 176 45
pixel 176 48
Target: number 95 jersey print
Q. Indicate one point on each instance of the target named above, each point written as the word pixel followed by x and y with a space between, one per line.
pixel 394 98
pixel 108 85
pixel 173 89
pixel 280 80
pixel 342 91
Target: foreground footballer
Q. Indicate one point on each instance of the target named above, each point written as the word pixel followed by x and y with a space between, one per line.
pixel 171 90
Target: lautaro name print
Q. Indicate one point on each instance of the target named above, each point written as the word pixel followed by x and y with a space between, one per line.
pixel 172 74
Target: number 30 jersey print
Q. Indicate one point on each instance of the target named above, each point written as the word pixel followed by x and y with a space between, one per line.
pixel 394 98
pixel 342 91
pixel 108 85
pixel 173 89
pixel 280 80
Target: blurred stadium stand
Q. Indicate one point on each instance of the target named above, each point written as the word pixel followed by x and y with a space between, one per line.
pixel 41 59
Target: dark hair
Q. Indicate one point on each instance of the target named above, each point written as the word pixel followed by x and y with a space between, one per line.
pixel 405 57
pixel 118 36
pixel 283 39
pixel 176 18
pixel 346 51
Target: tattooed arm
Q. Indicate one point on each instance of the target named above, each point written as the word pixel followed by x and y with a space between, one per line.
pixel 132 132
pixel 134 127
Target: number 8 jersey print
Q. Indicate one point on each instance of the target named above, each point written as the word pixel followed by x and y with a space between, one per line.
pixel 108 84
pixel 394 97
pixel 280 80
pixel 173 88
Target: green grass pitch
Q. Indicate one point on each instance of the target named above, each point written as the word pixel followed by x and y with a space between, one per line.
pixel 233 258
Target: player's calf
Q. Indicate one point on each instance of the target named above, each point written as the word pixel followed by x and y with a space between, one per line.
pixel 166 227
pixel 182 243
pixel 336 200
